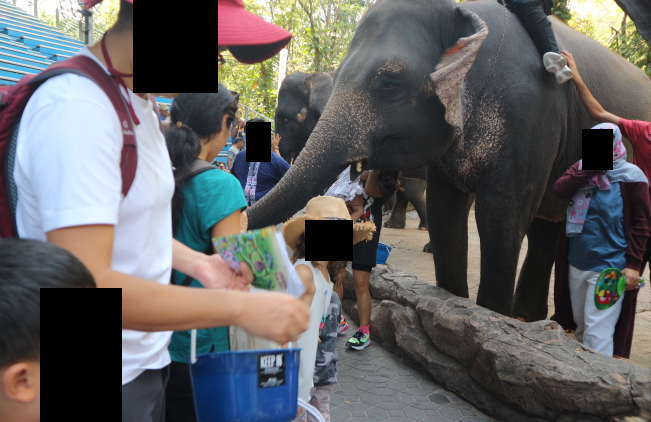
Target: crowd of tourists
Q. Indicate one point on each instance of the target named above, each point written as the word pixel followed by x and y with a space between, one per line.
pixel 92 211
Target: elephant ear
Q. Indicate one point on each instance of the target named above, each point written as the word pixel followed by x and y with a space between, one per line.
pixel 320 89
pixel 455 64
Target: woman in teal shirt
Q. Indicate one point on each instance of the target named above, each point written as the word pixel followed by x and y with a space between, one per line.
pixel 205 205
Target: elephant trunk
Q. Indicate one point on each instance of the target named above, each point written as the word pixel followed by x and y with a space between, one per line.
pixel 316 168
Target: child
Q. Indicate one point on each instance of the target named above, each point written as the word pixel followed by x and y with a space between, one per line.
pixel 325 370
pixel 316 273
pixel 350 191
pixel 607 226
pixel 26 266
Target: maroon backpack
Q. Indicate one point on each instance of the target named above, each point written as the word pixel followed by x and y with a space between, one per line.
pixel 13 100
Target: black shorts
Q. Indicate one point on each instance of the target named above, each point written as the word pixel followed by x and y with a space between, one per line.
pixel 362 267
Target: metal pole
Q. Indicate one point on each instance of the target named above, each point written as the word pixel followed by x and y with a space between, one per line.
pixel 91 26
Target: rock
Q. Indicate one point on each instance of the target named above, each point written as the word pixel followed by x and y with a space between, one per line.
pixel 512 370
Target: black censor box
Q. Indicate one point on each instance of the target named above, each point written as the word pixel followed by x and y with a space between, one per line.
pixel 597 149
pixel 329 240
pixel 258 142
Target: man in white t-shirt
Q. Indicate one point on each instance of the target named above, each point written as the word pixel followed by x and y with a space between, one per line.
pixel 238 145
pixel 75 202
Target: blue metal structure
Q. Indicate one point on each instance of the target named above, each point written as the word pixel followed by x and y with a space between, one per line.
pixel 29 45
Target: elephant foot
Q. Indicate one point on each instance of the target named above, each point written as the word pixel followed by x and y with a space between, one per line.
pixel 393 226
pixel 422 227
pixel 521 319
pixel 427 248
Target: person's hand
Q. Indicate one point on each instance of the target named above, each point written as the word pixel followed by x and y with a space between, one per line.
pixel 275 141
pixel 214 273
pixel 570 62
pixel 632 278
pixel 279 317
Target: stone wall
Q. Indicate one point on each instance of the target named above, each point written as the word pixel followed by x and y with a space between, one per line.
pixel 514 371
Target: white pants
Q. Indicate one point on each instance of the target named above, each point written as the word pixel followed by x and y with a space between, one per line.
pixel 594 328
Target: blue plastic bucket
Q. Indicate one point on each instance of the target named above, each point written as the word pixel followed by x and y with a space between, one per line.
pixel 246 386
pixel 382 253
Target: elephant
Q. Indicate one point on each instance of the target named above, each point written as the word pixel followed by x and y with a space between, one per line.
pixel 414 183
pixel 301 100
pixel 460 88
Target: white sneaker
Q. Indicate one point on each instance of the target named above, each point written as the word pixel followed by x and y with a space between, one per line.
pixel 556 64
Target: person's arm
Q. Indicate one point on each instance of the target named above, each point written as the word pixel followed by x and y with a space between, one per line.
pixel 590 103
pixel 184 308
pixel 572 180
pixel 307 278
pixel 371 185
pixel 227 226
pixel 230 161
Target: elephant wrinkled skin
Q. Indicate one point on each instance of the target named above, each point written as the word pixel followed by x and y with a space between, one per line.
pixel 418 87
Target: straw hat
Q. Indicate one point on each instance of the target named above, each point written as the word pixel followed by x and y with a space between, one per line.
pixel 325 208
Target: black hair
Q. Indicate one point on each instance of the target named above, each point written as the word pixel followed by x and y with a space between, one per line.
pixel 26 266
pixel 238 139
pixel 125 17
pixel 257 119
pixel 201 116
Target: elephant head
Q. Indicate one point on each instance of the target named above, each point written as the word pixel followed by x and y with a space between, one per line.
pixel 395 104
pixel 301 101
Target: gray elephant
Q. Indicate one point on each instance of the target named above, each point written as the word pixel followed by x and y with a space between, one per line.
pixel 414 183
pixel 483 115
pixel 301 100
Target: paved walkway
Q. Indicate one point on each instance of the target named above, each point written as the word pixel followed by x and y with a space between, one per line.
pixel 375 385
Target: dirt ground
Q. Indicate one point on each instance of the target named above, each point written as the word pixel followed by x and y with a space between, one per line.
pixel 408 254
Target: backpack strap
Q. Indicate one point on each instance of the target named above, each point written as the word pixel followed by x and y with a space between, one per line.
pixel 87 67
pixel 198 167
pixel 157 110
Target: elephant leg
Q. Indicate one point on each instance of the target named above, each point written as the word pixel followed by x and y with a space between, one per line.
pixel 398 217
pixel 388 205
pixel 448 232
pixel 530 302
pixel 415 192
pixel 471 199
pixel 502 222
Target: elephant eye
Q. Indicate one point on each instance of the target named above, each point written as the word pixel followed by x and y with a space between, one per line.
pixel 389 85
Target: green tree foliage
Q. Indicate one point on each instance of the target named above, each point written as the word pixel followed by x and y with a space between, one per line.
pixel 630 44
pixel 561 10
pixel 322 31
pixel 607 24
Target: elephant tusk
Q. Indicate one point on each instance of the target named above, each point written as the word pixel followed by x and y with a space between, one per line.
pixel 359 166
